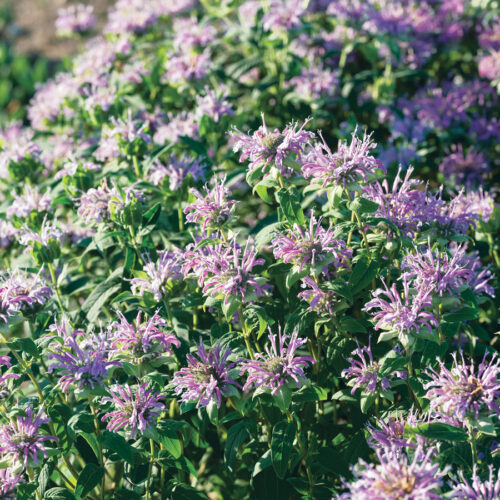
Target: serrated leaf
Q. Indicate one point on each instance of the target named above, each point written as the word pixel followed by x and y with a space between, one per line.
pixel 289 200
pixel 236 436
pixel 117 443
pixel 441 431
pixel 466 313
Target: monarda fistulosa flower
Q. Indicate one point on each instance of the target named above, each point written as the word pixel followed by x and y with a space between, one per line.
pixel 312 246
pixel 82 359
pixel 487 488
pixel 459 167
pixel 32 200
pixel 464 391
pixel 22 438
pixel 230 275
pixel 320 300
pixel 265 148
pixel 136 409
pixel 158 278
pixel 175 170
pixel 396 478
pixel 279 364
pixel 22 292
pixel 9 482
pixel 211 210
pixel 350 163
pixel 364 372
pixel 142 337
pixel 207 377
pixel 402 315
pixel 435 272
pixel 213 104
pixel 5 361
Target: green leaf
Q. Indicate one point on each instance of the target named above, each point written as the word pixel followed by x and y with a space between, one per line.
pixel 367 401
pixel 88 479
pixel 263 194
pixel 283 398
pixel 266 234
pixel 311 393
pixel 466 313
pixel 152 215
pixel 59 494
pixel 117 443
pixel 167 431
pixel 230 306
pixel 236 435
pixel 92 442
pixel 185 492
pixel 289 200
pixel 438 430
pixel 101 293
pixel 282 446
pixel 362 205
pixel 25 345
pixel 351 325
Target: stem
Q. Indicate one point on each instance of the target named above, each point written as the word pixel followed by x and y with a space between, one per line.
pixel 473 445
pixel 246 334
pixel 493 252
pixel 56 287
pixel 150 470
pixel 304 453
pixel 98 434
pixel 31 475
pixel 136 166
pixel 181 217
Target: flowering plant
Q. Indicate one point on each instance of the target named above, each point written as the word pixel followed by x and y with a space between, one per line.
pixel 250 250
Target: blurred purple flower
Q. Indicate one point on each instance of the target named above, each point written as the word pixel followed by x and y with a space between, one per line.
pixel 9 482
pixel 459 167
pixel 213 104
pixel 176 170
pixel 30 201
pixel 320 300
pixel 476 488
pixel 75 19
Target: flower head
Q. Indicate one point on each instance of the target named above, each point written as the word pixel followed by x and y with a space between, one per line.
pixel 176 170
pixel 206 378
pixel 461 167
pixel 350 163
pixel 401 315
pixel 279 365
pixel 158 277
pixel 22 292
pixel 396 478
pixel 81 358
pixel 213 209
pixel 9 482
pixel 363 372
pixel 320 300
pixel 265 147
pixel 462 390
pixel 476 489
pixel 75 19
pixel 136 410
pixel 140 338
pixel 311 246
pixel 22 439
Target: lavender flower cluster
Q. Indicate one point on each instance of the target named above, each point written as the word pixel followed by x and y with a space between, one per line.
pixel 251 249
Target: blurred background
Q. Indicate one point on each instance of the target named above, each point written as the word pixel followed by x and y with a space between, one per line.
pixel 30 50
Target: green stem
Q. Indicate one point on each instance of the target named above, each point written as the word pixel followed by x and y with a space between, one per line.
pixel 303 452
pixel 181 217
pixel 56 286
pixel 246 335
pixel 98 434
pixel 473 444
pixel 136 167
pixel 150 469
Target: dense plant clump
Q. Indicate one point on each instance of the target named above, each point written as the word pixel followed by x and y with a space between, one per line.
pixel 250 250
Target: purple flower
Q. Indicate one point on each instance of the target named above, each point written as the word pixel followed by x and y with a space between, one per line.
pixel 364 372
pixel 389 434
pixel 206 378
pixel 142 338
pixel 81 358
pixel 315 82
pixel 279 365
pixel 489 66
pixel 9 482
pixel 478 203
pixel 403 316
pixel 396 478
pixel 230 275
pixel 48 236
pixel 181 124
pixel 313 246
pixel 476 489
pixel 283 14
pixel 187 65
pixel 213 104
pixel 21 438
pixel 189 32
pixel 212 210
pixel 158 277
pixel 463 391
pixel 75 19
pixel 4 360
pixel 320 300
pixel 31 201
pixel 468 168
pixel 350 163
pixel 8 234
pixel 176 170
pixel 265 147
pixel 401 204
pixel 432 271
pixel 22 292
pixel 136 410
